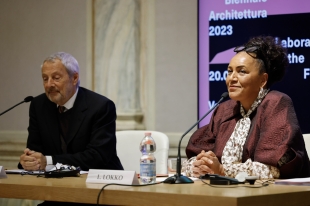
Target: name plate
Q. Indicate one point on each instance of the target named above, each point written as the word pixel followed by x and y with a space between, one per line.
pixel 2 172
pixel 112 176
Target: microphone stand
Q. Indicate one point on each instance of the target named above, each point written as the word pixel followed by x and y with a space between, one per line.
pixel 178 178
pixel 27 99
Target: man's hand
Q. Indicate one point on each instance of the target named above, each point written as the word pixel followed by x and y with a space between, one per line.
pixel 32 160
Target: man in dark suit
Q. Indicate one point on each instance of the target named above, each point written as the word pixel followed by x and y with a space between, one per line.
pixel 69 124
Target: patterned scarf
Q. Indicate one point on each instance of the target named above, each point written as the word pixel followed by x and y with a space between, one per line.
pixel 233 149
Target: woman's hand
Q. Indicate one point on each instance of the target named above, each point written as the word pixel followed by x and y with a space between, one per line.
pixel 207 163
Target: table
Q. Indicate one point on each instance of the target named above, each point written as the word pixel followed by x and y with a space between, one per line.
pixel 75 189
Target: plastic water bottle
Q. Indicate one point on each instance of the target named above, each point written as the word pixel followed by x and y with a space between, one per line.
pixel 147 160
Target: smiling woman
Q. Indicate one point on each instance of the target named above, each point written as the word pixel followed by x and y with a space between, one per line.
pixel 257 131
pixel 244 79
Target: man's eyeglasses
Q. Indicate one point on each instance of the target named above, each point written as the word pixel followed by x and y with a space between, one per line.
pixel 58 171
pixel 38 173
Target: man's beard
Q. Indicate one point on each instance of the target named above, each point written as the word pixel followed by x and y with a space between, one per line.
pixel 55 98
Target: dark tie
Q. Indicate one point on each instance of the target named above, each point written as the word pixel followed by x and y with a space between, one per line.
pixel 61 109
pixel 64 128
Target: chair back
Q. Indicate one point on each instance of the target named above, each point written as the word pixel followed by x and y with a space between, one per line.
pixel 307 142
pixel 128 149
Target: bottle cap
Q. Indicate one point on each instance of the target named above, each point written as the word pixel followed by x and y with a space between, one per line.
pixel 148 133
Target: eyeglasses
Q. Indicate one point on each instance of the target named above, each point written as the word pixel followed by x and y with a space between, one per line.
pixel 249 50
pixel 38 173
pixel 58 171
pixel 253 50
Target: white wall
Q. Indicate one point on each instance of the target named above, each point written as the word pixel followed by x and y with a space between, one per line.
pixel 30 31
pixel 176 65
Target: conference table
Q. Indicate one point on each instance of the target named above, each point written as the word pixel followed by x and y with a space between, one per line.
pixel 75 189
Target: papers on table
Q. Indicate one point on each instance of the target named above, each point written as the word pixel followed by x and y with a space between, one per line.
pixel 48 168
pixel 294 181
pixel 18 171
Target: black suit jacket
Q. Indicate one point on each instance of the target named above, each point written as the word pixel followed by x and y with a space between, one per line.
pixel 91 142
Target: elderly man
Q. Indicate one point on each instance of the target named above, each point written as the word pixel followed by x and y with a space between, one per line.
pixel 69 124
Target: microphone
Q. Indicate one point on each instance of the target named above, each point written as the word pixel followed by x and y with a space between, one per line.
pixel 27 99
pixel 178 178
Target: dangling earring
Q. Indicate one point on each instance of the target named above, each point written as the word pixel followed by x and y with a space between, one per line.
pixel 261 93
